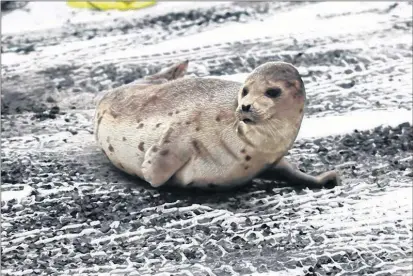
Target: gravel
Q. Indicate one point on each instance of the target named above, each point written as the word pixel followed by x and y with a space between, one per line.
pixel 66 210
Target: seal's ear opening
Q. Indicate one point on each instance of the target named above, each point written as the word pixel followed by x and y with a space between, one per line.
pixel 298 85
pixel 302 87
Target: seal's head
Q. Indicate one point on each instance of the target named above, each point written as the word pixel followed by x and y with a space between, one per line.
pixel 273 90
pixel 270 106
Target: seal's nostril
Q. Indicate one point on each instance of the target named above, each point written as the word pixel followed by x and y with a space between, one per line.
pixel 246 108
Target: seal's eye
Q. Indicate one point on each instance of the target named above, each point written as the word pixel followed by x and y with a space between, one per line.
pixel 273 92
pixel 244 92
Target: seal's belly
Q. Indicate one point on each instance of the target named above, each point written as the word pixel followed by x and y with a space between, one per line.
pixel 221 163
pixel 202 173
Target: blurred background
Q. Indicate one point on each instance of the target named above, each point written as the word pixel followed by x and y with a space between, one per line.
pixel 65 210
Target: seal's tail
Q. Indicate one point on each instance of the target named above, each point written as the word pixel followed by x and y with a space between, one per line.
pixel 176 71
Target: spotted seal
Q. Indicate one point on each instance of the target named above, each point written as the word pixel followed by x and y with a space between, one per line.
pixel 206 132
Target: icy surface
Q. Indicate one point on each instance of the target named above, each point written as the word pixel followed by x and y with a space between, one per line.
pixel 66 211
pixel 356 120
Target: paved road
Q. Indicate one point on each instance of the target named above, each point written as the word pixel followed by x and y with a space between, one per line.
pixel 66 211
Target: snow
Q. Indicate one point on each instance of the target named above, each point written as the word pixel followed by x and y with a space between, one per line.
pixel 18 195
pixel 278 26
pixel 41 15
pixel 346 123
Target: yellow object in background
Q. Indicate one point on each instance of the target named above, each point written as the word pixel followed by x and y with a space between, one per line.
pixel 114 5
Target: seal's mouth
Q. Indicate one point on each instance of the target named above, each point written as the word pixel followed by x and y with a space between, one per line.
pixel 246 117
pixel 248 121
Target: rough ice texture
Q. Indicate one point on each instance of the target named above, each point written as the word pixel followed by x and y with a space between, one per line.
pixel 66 211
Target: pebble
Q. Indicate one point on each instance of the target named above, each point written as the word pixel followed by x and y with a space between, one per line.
pixel 346 84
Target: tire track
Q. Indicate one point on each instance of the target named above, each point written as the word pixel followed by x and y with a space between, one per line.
pixel 153 29
pixel 68 79
pixel 66 210
pixel 263 217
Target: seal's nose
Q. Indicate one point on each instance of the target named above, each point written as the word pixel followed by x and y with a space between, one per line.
pixel 246 108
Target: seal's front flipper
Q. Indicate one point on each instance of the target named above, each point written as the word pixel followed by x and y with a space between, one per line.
pixel 283 170
pixel 161 163
pixel 176 71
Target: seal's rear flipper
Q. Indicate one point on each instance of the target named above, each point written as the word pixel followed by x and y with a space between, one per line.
pixel 176 71
pixel 283 170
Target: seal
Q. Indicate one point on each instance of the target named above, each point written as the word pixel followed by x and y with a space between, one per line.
pixel 206 132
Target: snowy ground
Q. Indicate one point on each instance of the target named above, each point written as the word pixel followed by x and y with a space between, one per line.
pixel 66 211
